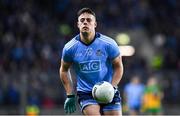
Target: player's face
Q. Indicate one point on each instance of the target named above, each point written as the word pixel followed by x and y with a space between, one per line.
pixel 86 23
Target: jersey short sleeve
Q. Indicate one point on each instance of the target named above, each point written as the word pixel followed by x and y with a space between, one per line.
pixel 66 55
pixel 113 50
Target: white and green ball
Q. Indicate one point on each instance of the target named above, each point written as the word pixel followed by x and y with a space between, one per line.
pixel 103 92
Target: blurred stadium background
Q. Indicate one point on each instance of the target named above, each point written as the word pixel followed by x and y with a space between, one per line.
pixel 33 33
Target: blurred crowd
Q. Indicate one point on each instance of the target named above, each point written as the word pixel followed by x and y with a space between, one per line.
pixel 33 33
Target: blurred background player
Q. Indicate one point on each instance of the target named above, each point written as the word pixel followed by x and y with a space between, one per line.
pixel 152 97
pixel 95 57
pixel 133 93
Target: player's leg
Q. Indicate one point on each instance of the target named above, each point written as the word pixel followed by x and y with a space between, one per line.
pixel 113 112
pixel 92 110
pixel 113 108
pixel 88 105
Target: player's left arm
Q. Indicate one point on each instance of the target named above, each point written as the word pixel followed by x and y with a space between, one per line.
pixel 118 70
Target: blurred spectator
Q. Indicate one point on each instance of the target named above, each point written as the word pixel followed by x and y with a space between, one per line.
pixel 152 98
pixel 12 94
pixel 32 110
pixel 48 102
pixel 133 93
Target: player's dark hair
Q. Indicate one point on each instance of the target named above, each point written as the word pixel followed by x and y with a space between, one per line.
pixel 86 10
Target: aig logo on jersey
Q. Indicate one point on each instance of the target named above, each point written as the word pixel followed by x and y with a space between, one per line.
pixel 90 66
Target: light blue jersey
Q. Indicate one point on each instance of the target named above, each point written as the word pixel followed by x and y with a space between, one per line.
pixel 134 94
pixel 93 62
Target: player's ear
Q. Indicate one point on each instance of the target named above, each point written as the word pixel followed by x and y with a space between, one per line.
pixel 95 24
pixel 77 24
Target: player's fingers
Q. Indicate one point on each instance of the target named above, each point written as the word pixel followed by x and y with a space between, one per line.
pixel 70 109
pixel 74 108
pixel 66 108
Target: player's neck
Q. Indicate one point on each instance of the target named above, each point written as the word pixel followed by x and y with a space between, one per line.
pixel 87 37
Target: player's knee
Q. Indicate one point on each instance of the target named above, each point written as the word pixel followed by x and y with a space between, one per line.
pixel 113 112
pixel 92 110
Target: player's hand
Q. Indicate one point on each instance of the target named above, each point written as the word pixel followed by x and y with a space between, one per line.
pixel 70 104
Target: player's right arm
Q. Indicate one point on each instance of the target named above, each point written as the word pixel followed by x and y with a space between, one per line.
pixel 65 77
pixel 69 104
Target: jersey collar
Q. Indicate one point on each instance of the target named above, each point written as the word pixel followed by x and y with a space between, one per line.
pixel 97 35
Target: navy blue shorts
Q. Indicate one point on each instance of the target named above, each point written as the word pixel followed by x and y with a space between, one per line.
pixel 85 99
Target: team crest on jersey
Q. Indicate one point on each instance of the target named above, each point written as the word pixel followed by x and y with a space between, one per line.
pixel 99 52
pixel 90 66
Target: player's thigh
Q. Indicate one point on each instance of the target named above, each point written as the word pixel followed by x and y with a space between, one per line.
pixel 113 108
pixel 113 112
pixel 93 109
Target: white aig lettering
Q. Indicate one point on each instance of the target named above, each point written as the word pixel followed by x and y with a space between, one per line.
pixel 90 66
